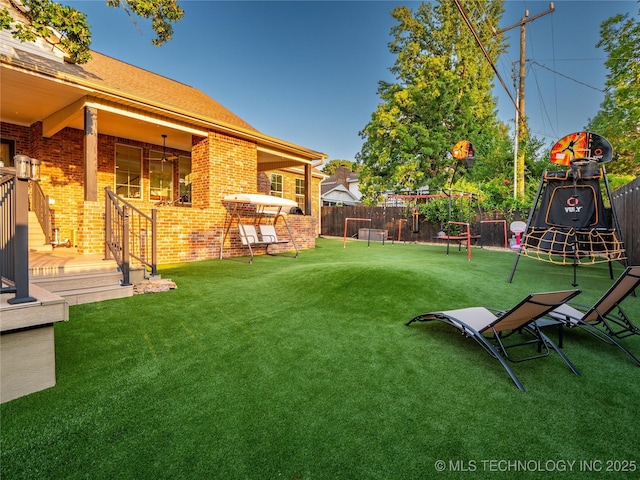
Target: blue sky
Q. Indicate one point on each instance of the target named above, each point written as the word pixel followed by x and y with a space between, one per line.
pixel 308 71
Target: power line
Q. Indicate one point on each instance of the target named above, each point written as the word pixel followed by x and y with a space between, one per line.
pixel 484 50
pixel 533 62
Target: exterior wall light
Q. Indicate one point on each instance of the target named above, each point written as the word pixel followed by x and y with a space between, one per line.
pixel 27 168
pixel 23 167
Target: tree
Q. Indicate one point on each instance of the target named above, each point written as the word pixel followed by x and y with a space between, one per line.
pixel 47 17
pixel 331 166
pixel 618 119
pixel 442 94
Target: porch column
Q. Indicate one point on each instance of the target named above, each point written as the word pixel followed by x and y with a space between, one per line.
pixel 308 195
pixel 91 154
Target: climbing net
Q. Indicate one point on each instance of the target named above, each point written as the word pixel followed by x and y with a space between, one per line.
pixel 570 246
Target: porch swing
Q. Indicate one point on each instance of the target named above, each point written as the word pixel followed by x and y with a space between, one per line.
pixel 255 217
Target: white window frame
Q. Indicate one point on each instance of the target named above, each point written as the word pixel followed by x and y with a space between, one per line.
pixel 277 180
pixel 155 191
pixel 131 190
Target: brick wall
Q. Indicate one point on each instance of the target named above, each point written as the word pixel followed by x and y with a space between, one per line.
pixel 289 187
pixel 221 165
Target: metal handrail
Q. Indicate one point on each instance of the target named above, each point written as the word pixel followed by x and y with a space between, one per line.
pixel 130 235
pixel 40 205
pixel 14 236
pixel 7 227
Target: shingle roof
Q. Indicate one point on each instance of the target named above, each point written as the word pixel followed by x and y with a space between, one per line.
pixel 133 82
pixel 141 83
pixel 136 82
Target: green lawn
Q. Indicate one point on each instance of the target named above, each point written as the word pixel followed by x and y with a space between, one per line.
pixel 304 369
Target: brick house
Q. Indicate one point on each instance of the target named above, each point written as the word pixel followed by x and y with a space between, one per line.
pixel 155 142
pixel 341 188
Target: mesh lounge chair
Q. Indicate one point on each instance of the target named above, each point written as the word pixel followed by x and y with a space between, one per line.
pixel 605 319
pixel 490 327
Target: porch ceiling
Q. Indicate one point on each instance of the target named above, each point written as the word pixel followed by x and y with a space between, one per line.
pixel 48 97
pixel 270 160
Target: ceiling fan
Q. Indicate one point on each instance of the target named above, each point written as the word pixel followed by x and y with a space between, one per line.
pixel 165 157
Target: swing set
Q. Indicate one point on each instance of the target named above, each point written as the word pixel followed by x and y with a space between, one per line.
pixel 256 216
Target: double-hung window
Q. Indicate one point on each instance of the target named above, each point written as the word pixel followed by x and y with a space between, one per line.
pixel 277 184
pixel 184 175
pixel 160 177
pixel 300 193
pixel 128 171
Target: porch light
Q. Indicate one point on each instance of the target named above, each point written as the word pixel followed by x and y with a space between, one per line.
pixel 23 167
pixel 35 170
pixel 27 168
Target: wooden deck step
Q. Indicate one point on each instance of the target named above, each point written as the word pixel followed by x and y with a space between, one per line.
pixel 77 281
pixel 85 286
pixel 48 308
pixel 77 278
pixel 96 294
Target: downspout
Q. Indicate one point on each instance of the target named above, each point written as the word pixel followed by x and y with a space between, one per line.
pixel 316 165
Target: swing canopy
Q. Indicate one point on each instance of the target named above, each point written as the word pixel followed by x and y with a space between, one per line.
pixel 260 200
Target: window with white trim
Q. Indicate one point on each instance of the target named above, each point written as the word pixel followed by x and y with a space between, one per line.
pixel 184 176
pixel 128 177
pixel 300 193
pixel 277 185
pixel 160 177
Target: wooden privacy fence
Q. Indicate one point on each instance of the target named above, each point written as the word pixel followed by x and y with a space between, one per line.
pixel 626 201
pixel 399 222
pixel 401 225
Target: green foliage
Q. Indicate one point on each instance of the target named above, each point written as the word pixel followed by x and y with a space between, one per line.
pixel 618 119
pixel 47 17
pixel 162 14
pixel 330 167
pixel 442 94
pixel 617 181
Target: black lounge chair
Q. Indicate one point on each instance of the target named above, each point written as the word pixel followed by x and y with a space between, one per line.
pixel 490 327
pixel 605 320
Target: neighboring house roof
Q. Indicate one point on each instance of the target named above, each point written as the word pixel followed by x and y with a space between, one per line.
pixel 342 176
pixel 126 97
pixel 341 188
pixel 340 194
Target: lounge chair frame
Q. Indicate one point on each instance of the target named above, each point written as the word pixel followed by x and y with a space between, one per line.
pixel 605 320
pixel 490 327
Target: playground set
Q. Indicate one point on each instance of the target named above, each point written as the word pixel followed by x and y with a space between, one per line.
pixel 568 223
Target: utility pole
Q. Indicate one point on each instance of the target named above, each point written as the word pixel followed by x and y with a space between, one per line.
pixel 522 131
